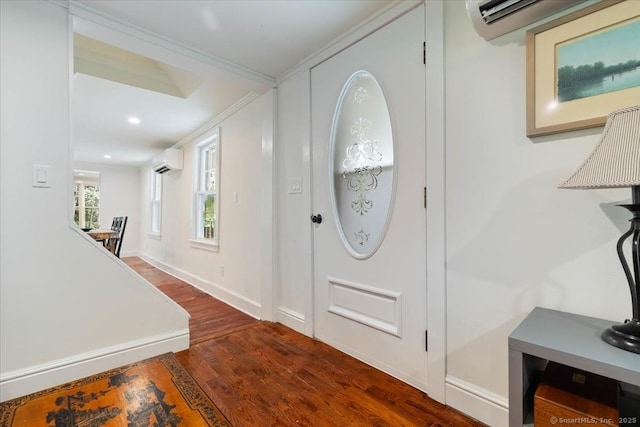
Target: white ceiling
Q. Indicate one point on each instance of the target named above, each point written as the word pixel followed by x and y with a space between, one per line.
pixel 265 37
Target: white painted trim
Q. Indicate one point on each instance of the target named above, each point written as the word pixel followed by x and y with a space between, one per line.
pixel 70 142
pixel 240 302
pixel 291 319
pixel 306 233
pixel 267 206
pixel 35 378
pixel 478 403
pixel 128 254
pixel 205 246
pixel 216 121
pixel 92 15
pixel 365 28
pixel 62 3
pixel 366 295
pixel 436 201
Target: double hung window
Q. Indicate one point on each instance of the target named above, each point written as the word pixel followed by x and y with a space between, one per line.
pixel 207 185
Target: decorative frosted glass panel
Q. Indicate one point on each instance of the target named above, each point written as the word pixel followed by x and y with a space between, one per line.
pixel 362 167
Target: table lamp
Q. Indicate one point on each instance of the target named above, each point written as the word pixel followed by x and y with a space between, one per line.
pixel 614 163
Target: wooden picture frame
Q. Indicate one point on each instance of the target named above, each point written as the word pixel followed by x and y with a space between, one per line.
pixel 557 48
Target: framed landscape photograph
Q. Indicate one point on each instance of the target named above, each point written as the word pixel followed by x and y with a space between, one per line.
pixel 583 66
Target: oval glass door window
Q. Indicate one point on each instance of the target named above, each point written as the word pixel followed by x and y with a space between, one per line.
pixel 362 165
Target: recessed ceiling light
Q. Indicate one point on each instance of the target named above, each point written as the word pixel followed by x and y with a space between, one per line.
pixel 107 156
pixel 134 120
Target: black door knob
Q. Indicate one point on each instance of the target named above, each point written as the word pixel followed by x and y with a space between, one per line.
pixel 316 218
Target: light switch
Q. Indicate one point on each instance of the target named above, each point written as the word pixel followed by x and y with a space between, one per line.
pixel 294 186
pixel 42 176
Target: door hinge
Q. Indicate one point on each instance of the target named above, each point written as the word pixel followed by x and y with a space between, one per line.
pixel 424 53
pixel 426 340
pixel 424 197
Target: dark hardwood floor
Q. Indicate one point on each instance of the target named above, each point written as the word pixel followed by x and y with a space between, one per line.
pixel 210 318
pixel 265 374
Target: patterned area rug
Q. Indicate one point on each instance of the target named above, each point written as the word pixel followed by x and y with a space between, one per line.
pixel 154 392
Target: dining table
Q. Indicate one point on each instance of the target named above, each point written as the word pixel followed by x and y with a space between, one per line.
pixel 102 235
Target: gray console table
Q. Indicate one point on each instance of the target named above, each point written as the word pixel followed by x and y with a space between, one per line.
pixel 570 339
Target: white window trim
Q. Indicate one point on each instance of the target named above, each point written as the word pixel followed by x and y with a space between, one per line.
pixel 201 244
pixel 195 241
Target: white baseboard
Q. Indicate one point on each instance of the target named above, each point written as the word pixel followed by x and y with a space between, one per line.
pixel 40 377
pixel 291 319
pixel 475 402
pixel 125 254
pixel 242 303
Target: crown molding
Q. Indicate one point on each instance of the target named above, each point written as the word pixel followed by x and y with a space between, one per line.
pixel 61 3
pixel 92 15
pixel 241 103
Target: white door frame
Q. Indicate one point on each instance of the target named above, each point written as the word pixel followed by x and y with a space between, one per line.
pixel 435 169
pixel 436 201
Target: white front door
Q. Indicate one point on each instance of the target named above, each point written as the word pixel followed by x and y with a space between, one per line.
pixel 370 261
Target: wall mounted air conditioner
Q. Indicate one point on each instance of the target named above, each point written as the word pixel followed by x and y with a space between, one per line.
pixel 168 162
pixel 493 18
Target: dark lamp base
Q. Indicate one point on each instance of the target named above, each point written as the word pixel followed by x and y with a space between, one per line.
pixel 625 336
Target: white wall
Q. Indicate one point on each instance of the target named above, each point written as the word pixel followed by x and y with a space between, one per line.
pixel 240 238
pixel 515 241
pixel 119 196
pixel 67 307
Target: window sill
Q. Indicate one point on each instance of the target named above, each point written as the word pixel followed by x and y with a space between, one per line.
pixel 207 246
pixel 154 236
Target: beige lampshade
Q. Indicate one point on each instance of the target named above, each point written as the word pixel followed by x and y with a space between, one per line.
pixel 615 162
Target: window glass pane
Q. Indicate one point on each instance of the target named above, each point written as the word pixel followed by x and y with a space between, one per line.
pixel 207 168
pixel 155 217
pixel 76 204
pixel 156 186
pixel 86 198
pixel 207 186
pixel 211 167
pixel 91 205
pixel 203 180
pixel 211 180
pixel 155 206
pixel 201 171
pixel 208 218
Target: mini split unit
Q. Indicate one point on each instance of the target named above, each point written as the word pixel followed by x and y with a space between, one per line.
pixel 493 18
pixel 169 161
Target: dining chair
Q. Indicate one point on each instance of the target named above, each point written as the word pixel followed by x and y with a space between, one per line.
pixel 118 224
